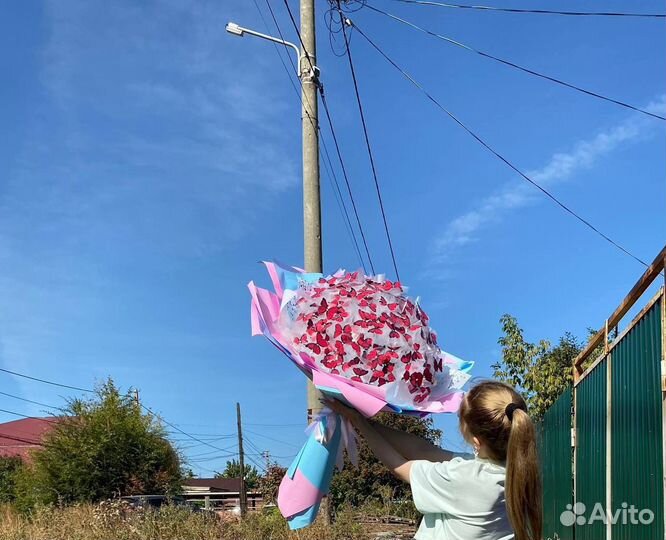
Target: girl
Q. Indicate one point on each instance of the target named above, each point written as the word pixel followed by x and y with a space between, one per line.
pixel 493 495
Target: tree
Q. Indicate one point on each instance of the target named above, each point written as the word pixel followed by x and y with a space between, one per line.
pixel 233 470
pixel 540 371
pixel 371 479
pixel 9 469
pixel 269 482
pixel 100 448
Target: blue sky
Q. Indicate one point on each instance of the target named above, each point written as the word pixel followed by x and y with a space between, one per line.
pixel 149 160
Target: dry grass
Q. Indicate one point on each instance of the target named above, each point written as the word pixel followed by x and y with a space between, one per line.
pixel 113 522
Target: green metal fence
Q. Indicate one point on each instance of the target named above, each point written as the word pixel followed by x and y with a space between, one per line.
pixel 590 469
pixel 616 484
pixel 636 429
pixel 555 454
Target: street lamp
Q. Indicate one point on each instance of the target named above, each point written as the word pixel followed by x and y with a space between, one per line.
pixel 310 86
pixel 240 31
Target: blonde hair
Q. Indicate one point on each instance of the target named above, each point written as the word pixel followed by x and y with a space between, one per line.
pixel 512 438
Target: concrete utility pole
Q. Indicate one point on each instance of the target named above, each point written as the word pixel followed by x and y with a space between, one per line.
pixel 241 460
pixel 311 197
pixel 309 75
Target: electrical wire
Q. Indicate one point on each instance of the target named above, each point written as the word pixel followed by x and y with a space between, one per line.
pixel 252 445
pixel 370 154
pixel 271 438
pixel 211 436
pixel 273 425
pixel 174 426
pixel 300 39
pixel 534 11
pixel 328 115
pixel 18 439
pixel 47 420
pixel 491 149
pixel 46 382
pixel 249 456
pixel 30 401
pixel 202 468
pixel 209 452
pixel 331 176
pixel 347 183
pixel 335 185
pixel 258 465
pixel 514 65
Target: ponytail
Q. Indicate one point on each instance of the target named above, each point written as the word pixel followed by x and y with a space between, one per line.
pixel 523 483
pixel 495 413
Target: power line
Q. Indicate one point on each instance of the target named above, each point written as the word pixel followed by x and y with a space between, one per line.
pixel 210 458
pixel 202 468
pixel 332 178
pixel 253 446
pixel 216 436
pixel 209 452
pixel 257 464
pixel 344 173
pixel 249 456
pixel 300 39
pixel 534 11
pixel 272 438
pixel 492 150
pixel 367 144
pixel 260 452
pixel 335 139
pixel 18 439
pixel 514 65
pixel 47 420
pixel 29 401
pixel 174 426
pixel 274 425
pixel 46 382
pixel 341 204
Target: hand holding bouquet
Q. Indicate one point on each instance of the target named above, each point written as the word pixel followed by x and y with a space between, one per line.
pixel 363 341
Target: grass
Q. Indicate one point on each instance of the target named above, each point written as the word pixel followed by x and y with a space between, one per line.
pixel 111 521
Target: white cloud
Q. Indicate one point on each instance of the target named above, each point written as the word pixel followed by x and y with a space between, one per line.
pixel 517 194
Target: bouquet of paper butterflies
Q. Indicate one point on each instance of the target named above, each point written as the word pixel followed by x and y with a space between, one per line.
pixel 361 340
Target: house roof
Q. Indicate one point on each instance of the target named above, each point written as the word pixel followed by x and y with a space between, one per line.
pixel 214 484
pixel 20 437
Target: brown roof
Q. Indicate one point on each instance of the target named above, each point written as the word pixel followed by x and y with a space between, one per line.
pixel 20 437
pixel 215 484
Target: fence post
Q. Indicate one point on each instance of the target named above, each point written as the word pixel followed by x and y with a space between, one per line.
pixel 609 438
pixel 663 387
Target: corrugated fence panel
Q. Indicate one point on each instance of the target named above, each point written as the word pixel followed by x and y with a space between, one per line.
pixel 556 470
pixel 636 429
pixel 591 449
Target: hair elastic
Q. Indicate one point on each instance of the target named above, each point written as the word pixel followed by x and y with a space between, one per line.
pixel 512 407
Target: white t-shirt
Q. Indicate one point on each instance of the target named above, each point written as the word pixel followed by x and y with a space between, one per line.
pixel 461 499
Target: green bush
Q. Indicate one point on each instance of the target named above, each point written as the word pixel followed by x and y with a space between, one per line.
pixel 101 448
pixel 9 470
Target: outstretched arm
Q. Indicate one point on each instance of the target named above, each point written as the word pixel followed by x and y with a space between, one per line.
pixel 384 451
pixel 394 448
pixel 412 446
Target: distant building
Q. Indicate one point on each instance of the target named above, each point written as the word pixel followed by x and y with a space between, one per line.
pixel 219 493
pixel 20 438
